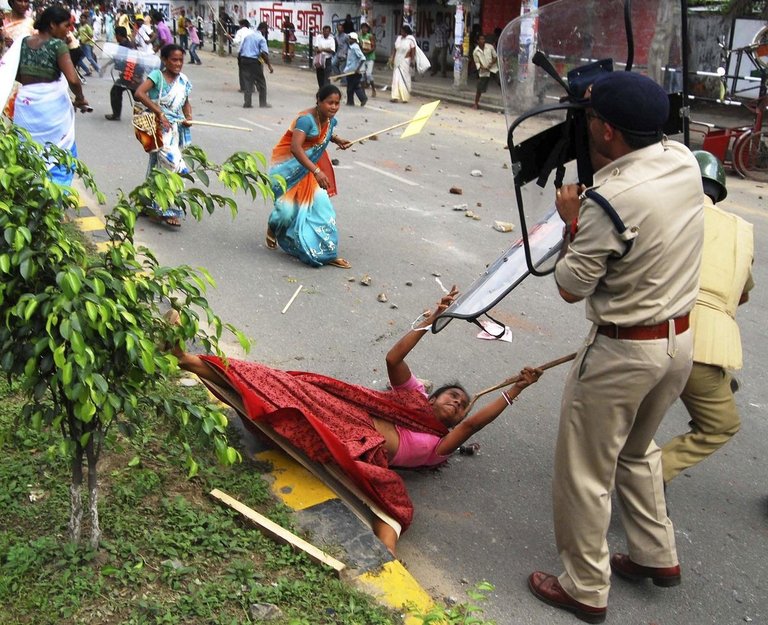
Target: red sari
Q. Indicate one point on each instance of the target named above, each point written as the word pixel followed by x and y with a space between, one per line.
pixel 331 420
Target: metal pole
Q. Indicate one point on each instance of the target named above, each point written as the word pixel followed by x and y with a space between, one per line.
pixel 684 47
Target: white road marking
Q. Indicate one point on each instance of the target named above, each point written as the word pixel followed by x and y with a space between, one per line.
pixel 252 123
pixel 386 173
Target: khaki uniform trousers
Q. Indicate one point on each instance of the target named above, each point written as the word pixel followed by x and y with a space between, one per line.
pixel 714 419
pixel 616 394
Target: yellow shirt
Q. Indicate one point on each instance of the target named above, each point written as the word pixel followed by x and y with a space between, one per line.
pixel 181 25
pixel 726 273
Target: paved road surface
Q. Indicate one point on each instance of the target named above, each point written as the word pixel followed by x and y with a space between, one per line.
pixel 488 516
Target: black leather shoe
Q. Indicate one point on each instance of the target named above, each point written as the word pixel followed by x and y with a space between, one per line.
pixel 547 588
pixel 660 576
pixel 112 118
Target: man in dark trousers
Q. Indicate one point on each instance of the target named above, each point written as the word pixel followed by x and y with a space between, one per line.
pixel 254 53
pixel 130 73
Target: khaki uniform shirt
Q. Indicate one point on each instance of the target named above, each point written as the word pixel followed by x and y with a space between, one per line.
pixel 657 192
pixel 726 273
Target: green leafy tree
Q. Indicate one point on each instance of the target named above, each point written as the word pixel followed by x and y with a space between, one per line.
pixel 82 332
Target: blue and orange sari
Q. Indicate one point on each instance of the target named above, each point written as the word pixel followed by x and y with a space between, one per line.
pixel 303 221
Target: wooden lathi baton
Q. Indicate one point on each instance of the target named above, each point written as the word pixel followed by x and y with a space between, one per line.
pixel 415 124
pixel 195 122
pixel 518 377
pixel 387 129
pixel 338 76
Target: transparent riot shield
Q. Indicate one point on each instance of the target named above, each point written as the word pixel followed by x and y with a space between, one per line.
pixel 129 67
pixel 547 60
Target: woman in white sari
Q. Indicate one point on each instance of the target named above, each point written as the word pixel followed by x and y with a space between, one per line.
pixel 42 65
pixel 400 61
pixel 165 92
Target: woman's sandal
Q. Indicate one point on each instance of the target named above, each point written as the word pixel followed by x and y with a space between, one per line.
pixel 270 240
pixel 340 262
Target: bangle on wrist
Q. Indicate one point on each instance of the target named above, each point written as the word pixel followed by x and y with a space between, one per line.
pixel 507 398
pixel 316 171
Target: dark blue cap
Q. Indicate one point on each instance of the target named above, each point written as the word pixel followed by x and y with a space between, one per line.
pixel 631 102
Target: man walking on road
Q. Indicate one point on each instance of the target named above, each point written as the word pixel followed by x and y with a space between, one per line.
pixel 726 279
pixel 355 63
pixel 253 53
pixel 130 74
pixel 325 47
pixel 640 281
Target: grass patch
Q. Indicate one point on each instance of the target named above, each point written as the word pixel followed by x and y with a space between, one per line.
pixel 169 555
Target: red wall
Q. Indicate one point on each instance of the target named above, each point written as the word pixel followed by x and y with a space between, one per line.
pixel 498 13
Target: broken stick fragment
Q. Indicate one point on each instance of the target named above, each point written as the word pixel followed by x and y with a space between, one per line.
pixel 277 532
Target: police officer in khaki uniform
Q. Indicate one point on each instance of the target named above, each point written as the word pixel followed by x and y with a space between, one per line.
pixel 639 285
pixel 726 279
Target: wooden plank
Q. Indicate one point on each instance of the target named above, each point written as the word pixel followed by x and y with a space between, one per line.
pixel 277 532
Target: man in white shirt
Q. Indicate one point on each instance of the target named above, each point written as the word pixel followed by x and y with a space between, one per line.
pixel 244 30
pixel 325 47
pixel 487 66
pixel 145 35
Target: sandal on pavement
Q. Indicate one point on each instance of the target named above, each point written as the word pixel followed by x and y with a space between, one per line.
pixel 341 263
pixel 270 240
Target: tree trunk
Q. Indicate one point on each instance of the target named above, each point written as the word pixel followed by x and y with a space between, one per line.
pixel 76 496
pixel 93 492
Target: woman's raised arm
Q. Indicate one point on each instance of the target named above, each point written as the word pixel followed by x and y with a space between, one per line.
pixel 397 369
pixel 488 413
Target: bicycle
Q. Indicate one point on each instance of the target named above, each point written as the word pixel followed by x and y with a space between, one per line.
pixel 744 148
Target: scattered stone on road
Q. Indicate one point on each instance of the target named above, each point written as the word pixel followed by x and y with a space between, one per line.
pixel 365 280
pixel 382 297
pixel 456 191
pixel 503 226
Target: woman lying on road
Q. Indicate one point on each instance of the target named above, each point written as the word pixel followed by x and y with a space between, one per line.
pixel 363 431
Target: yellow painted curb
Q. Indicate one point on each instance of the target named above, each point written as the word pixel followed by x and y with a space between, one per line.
pixel 89 224
pixel 293 484
pixel 395 587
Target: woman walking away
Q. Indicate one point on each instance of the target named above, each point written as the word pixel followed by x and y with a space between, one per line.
pixel 363 432
pixel 45 70
pixel 400 62
pixel 165 92
pixel 303 221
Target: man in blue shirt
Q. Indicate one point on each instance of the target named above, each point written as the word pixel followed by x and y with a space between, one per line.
pixel 355 62
pixel 254 53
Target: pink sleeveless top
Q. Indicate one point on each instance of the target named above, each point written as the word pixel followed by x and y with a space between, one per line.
pixel 416 449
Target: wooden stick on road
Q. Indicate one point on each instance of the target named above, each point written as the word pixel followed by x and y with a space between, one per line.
pixel 277 532
pixel 516 378
pixel 197 122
